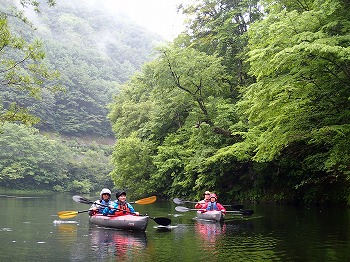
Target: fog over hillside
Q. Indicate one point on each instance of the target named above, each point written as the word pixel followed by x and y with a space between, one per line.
pixel 95 51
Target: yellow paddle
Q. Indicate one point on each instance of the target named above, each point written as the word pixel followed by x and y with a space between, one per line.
pixel 145 201
pixel 69 214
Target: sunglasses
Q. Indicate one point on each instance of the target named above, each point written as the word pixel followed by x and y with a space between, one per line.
pixel 207 194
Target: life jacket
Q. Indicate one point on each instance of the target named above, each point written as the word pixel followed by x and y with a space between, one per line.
pixel 104 204
pixel 212 206
pixel 122 209
pixel 101 204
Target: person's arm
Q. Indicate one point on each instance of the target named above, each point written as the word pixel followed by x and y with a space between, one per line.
pixel 205 207
pixel 93 209
pixel 132 210
pixel 110 210
pixel 105 211
pixel 200 204
pixel 221 208
pixel 99 207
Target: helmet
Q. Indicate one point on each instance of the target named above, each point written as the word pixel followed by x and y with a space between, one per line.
pixel 207 193
pixel 215 196
pixel 119 193
pixel 105 191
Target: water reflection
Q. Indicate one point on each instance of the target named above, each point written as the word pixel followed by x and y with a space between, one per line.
pixel 209 231
pixel 121 244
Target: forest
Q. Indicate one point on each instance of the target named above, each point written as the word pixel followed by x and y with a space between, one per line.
pixel 250 101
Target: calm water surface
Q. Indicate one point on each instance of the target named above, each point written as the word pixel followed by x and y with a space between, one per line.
pixel 30 230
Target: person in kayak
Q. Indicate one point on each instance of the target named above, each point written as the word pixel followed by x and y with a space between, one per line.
pixel 120 206
pixel 105 200
pixel 201 204
pixel 214 205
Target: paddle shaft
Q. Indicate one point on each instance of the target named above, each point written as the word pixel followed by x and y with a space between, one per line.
pixel 180 201
pixel 240 212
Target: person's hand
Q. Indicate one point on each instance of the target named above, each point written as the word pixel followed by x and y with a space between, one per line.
pixel 137 213
pixel 94 209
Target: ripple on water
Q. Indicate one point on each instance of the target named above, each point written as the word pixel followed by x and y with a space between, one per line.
pixel 255 247
pixel 5 229
pixel 57 222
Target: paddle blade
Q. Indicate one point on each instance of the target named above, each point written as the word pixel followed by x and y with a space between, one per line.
pixel 236 207
pixel 247 212
pixel 182 209
pixel 81 199
pixel 67 214
pixel 163 221
pixel 147 200
pixel 178 201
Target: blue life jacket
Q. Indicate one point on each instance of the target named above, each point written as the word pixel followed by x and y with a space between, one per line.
pixel 212 206
pixel 104 204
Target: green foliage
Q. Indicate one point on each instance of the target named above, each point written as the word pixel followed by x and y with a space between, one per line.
pixel 132 165
pixel 251 108
pixel 287 137
pixel 302 83
pixel 300 100
pixel 173 103
pixel 22 68
pixel 29 160
pixel 219 27
pixel 80 186
pixel 94 53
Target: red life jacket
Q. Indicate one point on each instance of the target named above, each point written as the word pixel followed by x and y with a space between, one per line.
pixel 122 209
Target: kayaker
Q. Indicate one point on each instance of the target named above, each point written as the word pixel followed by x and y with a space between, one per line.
pixel 105 200
pixel 201 204
pixel 120 206
pixel 214 205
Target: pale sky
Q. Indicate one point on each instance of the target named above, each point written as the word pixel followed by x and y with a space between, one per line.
pixel 159 16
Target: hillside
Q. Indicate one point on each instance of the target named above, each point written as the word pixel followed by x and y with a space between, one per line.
pixel 94 52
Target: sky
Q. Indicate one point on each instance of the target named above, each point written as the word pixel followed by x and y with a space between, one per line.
pixel 159 16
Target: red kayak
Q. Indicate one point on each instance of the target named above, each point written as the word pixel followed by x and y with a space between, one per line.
pixel 127 222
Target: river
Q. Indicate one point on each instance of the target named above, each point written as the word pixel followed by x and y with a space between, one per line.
pixel 30 230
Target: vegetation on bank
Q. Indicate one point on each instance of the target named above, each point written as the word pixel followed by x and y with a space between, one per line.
pixel 251 102
pixel 6 192
pixel 59 70
pixel 32 161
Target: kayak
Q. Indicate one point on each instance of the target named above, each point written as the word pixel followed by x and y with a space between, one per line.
pixel 127 222
pixel 212 215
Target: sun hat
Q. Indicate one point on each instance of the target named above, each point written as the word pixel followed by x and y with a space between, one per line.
pixel 215 196
pixel 105 191
pixel 119 193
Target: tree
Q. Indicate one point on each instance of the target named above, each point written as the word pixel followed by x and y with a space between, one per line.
pixel 30 160
pixel 22 65
pixel 298 108
pixel 133 165
pixel 219 27
pixel 175 103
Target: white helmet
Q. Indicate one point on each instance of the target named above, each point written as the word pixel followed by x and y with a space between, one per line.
pixel 105 191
